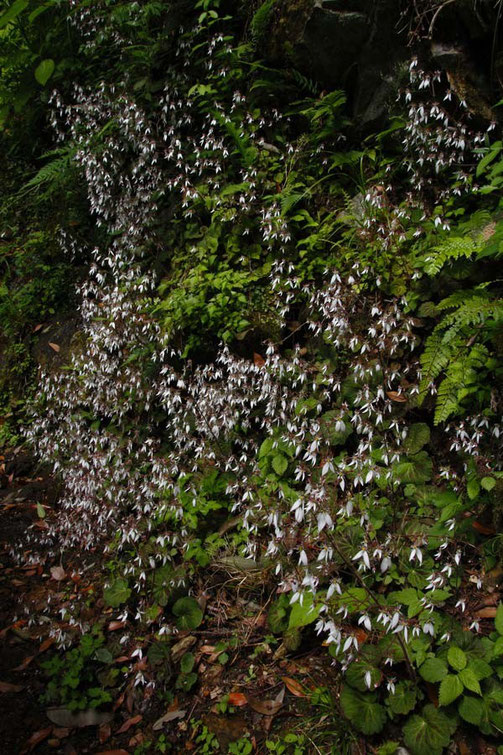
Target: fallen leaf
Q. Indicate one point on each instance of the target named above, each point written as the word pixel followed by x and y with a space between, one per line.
pixel 207 649
pixel 77 719
pixel 171 715
pixel 61 733
pixel 128 724
pixel 294 687
pixel 46 644
pixel 7 687
pixel 115 625
pixel 395 396
pixel 136 740
pixel 24 664
pixel 58 573
pixel 104 733
pixel 486 613
pixel 113 752
pixel 258 360
pixel 38 327
pixel 237 699
pixel 267 707
pixel 54 347
pixel 482 528
pixel 36 738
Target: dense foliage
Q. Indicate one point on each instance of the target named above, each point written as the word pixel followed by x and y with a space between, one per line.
pixel 280 320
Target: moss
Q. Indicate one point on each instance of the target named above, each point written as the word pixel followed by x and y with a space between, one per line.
pixel 260 22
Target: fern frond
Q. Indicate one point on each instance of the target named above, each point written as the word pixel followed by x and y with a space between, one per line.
pixel 452 248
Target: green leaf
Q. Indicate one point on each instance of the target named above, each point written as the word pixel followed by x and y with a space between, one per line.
pixel 277 617
pixel 302 615
pixel 366 715
pixel 433 670
pixel 159 652
pixel 488 483
pixel 404 699
pixel 451 687
pixel 40 511
pixel 480 668
pixel 187 662
pixel 498 620
pixel 12 12
pixel 417 470
pixel 470 681
pixel 103 655
pixel 471 709
pixel 428 733
pixel 473 489
pixel 44 71
pixel 356 676
pixel 188 612
pixel 185 681
pixel 418 436
pixel 457 658
pixel 280 464
pixel 117 593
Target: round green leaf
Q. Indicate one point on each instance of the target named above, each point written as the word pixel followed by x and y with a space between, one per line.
pixel 187 663
pixel 188 612
pixel 428 733
pixel 117 593
pixel 44 71
pixel 280 464
pixel 363 711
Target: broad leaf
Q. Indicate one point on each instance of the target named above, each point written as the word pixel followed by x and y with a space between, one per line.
pixel 428 733
pixel 44 71
pixel 188 612
pixel 302 615
pixel 457 658
pixel 418 436
pixel 366 715
pixel 471 709
pixel 433 670
pixel 451 687
pixel 470 681
pixel 498 621
pixel 12 12
pixel 117 593
pixel 280 464
pixel 404 698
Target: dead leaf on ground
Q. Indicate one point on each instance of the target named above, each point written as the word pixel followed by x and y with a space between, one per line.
pixel 46 644
pixel 78 719
pixel 129 723
pixel 486 613
pixel 395 396
pixel 8 687
pixel 104 733
pixel 54 347
pixel 171 715
pixel 267 707
pixel 237 699
pixel 36 738
pixel 115 625
pixel 58 573
pixel 24 664
pixel 294 687
pixel 258 360
pixel 61 733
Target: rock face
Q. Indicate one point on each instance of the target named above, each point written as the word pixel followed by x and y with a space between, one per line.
pixel 362 45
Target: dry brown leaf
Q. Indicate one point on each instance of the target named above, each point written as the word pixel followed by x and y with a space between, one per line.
pixel 36 738
pixel 129 723
pixel 136 739
pixel 486 613
pixel 395 396
pixel 104 733
pixel 7 687
pixel 258 360
pixel 171 715
pixel 294 687
pixel 267 707
pixel 115 625
pixel 46 644
pixel 482 528
pixel 61 733
pixel 54 347
pixel 38 327
pixel 58 573
pixel 237 699
pixel 24 664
